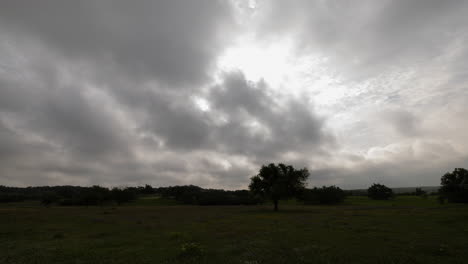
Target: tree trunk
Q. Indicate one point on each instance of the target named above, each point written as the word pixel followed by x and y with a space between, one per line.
pixel 276 204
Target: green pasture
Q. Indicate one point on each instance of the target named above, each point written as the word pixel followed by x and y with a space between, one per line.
pixel 408 229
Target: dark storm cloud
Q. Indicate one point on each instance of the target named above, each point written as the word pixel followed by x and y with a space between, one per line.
pixel 172 40
pixel 10 143
pixel 58 111
pixel 243 118
pixel 54 131
pixel 78 123
pixel 116 47
pixel 262 124
pixel 97 98
pixel 176 120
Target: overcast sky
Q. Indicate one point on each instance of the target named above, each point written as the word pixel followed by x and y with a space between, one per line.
pixel 171 92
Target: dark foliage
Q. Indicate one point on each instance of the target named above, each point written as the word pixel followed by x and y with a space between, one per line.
pixel 420 192
pixel 455 186
pixel 379 192
pixel 17 194
pixel 68 195
pixel 276 182
pixel 359 192
pixel 148 189
pixel 185 194
pixel 97 195
pixel 11 197
pixel 221 197
pixel 416 192
pixel 195 195
pixel 121 196
pixel 324 195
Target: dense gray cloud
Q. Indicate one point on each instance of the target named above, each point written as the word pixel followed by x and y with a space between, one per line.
pixel 259 124
pixel 73 76
pixel 416 163
pixel 119 93
pixel 365 38
pixel 174 41
pixel 403 122
pixel 68 124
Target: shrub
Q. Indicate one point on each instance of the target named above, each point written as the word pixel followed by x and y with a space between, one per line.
pixel 324 195
pixel 379 192
pixel 221 197
pixel 190 250
pixel 121 196
pixel 195 195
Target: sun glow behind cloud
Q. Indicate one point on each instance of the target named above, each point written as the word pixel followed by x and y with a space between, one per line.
pixel 283 69
pixel 270 62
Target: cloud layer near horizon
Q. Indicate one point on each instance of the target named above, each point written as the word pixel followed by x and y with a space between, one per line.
pixel 125 94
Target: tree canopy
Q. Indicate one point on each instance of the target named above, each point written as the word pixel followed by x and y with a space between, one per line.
pixel 455 186
pixel 379 192
pixel 278 182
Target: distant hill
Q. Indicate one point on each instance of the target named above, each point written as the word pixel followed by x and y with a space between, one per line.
pixel 429 189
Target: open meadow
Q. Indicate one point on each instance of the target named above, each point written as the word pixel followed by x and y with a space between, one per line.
pixel 408 229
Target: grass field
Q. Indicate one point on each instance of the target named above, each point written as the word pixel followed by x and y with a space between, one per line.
pixel 404 230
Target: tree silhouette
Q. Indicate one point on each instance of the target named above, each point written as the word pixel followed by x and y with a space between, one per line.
pixel 455 186
pixel 379 192
pixel 277 182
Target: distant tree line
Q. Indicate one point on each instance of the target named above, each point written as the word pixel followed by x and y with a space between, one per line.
pixel 417 192
pixel 97 195
pixel 191 194
pixel 70 195
pixel 273 183
pixel 454 188
pixel 195 195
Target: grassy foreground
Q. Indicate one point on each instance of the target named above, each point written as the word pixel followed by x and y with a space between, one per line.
pixel 405 230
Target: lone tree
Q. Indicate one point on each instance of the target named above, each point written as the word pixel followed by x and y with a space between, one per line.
pixel 455 186
pixel 379 192
pixel 277 182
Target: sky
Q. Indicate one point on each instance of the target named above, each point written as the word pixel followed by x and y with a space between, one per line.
pixel 175 92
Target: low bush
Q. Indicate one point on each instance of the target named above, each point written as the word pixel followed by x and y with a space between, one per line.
pixel 190 250
pixel 195 195
pixel 324 195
